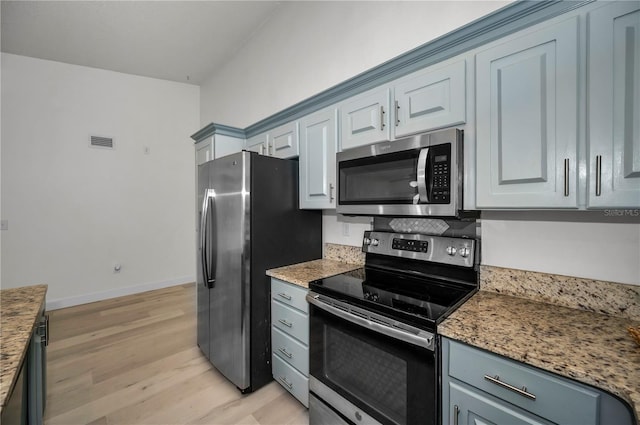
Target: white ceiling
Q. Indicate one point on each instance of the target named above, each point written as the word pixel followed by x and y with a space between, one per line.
pixel 182 41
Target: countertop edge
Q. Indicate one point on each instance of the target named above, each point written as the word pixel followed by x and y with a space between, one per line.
pixel 619 391
pixel 301 274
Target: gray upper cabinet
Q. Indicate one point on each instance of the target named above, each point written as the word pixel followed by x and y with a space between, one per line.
pixel 318 144
pixel 257 144
pixel 204 150
pixel 526 114
pixel 430 99
pixel 217 146
pixel 364 119
pixel 613 141
pixel 282 142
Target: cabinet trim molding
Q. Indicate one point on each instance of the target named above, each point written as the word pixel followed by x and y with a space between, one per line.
pixel 507 20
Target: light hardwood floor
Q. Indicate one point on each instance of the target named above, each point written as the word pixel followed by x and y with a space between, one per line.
pixel 134 360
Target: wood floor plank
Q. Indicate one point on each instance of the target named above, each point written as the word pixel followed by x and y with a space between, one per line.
pixel 134 360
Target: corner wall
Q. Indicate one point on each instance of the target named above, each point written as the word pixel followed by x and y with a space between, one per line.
pixel 74 211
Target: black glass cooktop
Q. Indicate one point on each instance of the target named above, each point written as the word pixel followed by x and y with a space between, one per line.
pixel 422 301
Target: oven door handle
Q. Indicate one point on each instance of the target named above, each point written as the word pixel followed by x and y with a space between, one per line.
pixel 426 340
pixel 421 176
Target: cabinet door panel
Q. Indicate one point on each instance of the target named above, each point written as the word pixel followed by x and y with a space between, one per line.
pixel 478 408
pixel 527 120
pixel 204 151
pixel 614 106
pixel 318 160
pixel 283 141
pixel 431 100
pixel 257 144
pixel 365 119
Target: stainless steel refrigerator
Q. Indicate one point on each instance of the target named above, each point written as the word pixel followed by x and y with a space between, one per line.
pixel 248 222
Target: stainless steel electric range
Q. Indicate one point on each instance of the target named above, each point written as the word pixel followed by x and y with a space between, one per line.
pixel 374 348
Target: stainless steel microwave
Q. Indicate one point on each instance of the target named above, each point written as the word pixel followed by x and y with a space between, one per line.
pixel 416 176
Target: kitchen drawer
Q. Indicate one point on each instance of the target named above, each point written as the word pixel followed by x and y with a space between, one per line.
pixel 290 350
pixel 289 294
pixel 557 399
pixel 292 380
pixel 290 321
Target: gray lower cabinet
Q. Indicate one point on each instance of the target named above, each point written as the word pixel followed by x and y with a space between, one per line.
pixel 27 399
pixel 482 387
pixel 290 338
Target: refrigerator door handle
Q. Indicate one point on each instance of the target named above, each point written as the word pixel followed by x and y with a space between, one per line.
pixel 208 272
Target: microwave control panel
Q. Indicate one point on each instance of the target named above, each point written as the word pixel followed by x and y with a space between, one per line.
pixel 440 181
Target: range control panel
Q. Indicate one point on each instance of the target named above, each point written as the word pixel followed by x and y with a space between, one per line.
pixel 438 249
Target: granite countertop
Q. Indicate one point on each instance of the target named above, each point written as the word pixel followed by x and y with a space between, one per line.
pixel 19 308
pixel 302 273
pixel 592 348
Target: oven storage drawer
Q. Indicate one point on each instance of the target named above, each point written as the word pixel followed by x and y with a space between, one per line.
pixel 289 294
pixel 556 399
pixel 290 321
pixel 290 350
pixel 292 380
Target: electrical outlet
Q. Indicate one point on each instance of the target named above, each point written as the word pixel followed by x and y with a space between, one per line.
pixel 345 229
pixel 4 224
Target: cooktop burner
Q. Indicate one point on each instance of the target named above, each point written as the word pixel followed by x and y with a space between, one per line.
pixel 412 278
pixel 421 301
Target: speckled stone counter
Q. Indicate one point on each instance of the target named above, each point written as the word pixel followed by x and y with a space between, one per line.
pixel 19 308
pixel 303 273
pixel 589 347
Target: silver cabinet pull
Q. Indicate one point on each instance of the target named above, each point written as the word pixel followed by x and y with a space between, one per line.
pixel 331 197
pixel 285 296
pixel 284 322
pixel 397 113
pixel 598 175
pixel 566 177
pixel 270 149
pixel 523 392
pixel 285 352
pixel 261 149
pixel 286 383
pixel 456 413
pixel 381 117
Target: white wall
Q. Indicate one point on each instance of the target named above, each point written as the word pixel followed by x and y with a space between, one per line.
pixel 75 211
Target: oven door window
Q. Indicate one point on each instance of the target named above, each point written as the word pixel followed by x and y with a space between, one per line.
pixel 384 179
pixel 391 380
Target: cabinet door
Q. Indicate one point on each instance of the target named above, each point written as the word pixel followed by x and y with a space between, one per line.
pixel 204 150
pixel 430 100
pixel 526 112
pixel 365 119
pixel 257 144
pixel 227 145
pixel 318 143
pixel 614 106
pixel 283 141
pixel 470 406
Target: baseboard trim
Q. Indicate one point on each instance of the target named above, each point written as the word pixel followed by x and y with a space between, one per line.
pixel 114 293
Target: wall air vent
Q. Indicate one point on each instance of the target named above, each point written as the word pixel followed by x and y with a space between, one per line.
pixel 101 142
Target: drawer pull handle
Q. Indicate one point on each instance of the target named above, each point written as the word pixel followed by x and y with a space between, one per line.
pixel 456 413
pixel 285 296
pixel 523 392
pixel 598 175
pixel 286 383
pixel 285 352
pixel 284 322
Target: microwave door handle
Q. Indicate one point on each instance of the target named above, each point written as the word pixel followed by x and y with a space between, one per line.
pixel 421 176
